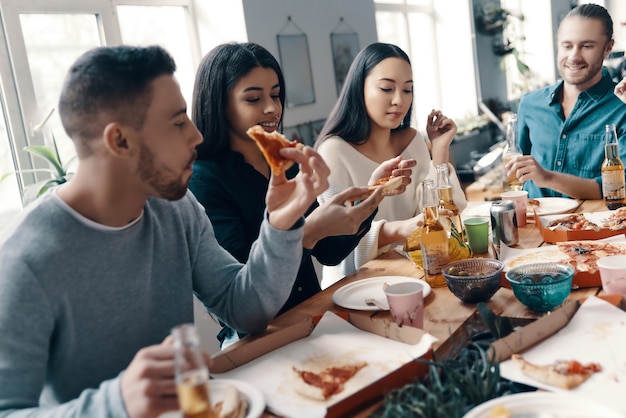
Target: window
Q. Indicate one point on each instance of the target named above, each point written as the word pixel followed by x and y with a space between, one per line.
pixel 9 188
pixel 40 39
pixel 433 40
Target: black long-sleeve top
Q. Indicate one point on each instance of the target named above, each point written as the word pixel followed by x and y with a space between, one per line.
pixel 233 195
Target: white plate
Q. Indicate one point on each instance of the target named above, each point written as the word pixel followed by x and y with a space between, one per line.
pixel 547 206
pixel 548 404
pixel 553 205
pixel 217 387
pixel 352 296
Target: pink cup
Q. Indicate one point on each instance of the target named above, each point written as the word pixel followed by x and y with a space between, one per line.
pixel 520 199
pixel 406 303
pixel 613 274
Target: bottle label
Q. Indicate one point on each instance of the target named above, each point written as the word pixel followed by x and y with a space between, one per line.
pixel 434 257
pixel 613 184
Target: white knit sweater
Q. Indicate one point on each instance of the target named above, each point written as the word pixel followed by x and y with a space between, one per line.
pixel 351 168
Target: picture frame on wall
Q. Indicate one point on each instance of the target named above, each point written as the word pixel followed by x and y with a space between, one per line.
pixel 296 65
pixel 345 47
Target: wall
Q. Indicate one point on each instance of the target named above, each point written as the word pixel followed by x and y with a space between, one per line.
pixel 318 18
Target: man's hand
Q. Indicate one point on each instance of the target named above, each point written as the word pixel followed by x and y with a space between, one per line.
pixel 526 168
pixel 148 386
pixel 620 90
pixel 396 167
pixel 441 129
pixel 338 217
pixel 288 200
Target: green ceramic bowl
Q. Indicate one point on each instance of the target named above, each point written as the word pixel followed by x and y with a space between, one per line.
pixel 542 286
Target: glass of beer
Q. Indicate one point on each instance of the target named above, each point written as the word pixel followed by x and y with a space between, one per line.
pixel 192 375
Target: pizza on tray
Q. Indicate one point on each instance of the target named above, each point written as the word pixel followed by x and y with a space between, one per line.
pixel 616 220
pixel 574 222
pixel 565 374
pixel 323 384
pixel 582 255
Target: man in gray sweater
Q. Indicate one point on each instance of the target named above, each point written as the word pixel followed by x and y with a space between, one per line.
pixel 96 273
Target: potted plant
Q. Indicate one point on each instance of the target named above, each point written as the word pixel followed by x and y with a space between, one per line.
pixel 58 171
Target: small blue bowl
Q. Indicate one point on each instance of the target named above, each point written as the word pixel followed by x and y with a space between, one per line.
pixel 542 286
pixel 473 280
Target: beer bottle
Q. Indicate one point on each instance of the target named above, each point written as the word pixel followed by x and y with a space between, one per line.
pixel 511 150
pixel 191 374
pixel 434 239
pixel 446 201
pixel 612 171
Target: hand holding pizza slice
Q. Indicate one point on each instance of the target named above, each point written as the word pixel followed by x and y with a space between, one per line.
pixel 270 144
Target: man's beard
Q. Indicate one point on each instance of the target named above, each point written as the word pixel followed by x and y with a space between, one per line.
pixel 166 189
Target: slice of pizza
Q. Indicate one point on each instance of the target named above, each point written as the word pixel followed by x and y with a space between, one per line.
pixel 565 374
pixel 323 384
pixel 388 184
pixel 574 222
pixel 583 255
pixel 270 143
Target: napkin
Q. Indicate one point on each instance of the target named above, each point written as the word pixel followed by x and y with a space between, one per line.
pixel 596 333
pixel 333 339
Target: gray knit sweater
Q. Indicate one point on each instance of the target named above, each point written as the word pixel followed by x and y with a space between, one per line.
pixel 78 299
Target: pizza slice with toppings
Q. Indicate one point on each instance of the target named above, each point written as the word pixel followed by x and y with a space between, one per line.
pixel 574 222
pixel 323 384
pixel 584 255
pixel 565 374
pixel 270 144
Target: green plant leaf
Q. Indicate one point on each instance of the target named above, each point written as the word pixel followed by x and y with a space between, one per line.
pixel 48 155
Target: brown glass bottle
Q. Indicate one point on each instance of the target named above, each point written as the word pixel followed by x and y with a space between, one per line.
pixel 434 239
pixel 613 181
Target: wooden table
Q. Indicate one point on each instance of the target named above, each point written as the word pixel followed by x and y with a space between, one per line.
pixel 445 316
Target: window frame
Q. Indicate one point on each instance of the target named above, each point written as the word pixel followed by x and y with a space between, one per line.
pixel 20 103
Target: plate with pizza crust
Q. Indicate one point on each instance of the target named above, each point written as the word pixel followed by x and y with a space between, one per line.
pixel 217 389
pixel 352 296
pixel 539 404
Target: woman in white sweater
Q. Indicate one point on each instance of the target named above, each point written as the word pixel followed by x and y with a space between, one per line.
pixel 371 123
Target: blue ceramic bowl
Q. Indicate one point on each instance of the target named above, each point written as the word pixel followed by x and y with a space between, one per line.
pixel 542 286
pixel 473 280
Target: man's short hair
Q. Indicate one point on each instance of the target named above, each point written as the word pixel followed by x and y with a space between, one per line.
pixel 109 84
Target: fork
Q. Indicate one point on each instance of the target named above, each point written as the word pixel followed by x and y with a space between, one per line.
pixel 375 302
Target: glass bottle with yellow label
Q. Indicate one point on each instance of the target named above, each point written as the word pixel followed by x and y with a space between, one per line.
pixel 613 180
pixel 433 239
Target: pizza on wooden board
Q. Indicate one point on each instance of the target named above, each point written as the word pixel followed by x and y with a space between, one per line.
pixel 582 255
pixel 565 374
pixel 323 384
pixel 270 144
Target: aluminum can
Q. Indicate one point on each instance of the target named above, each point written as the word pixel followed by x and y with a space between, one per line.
pixel 503 223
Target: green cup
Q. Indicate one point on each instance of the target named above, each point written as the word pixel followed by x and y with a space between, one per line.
pixel 477 230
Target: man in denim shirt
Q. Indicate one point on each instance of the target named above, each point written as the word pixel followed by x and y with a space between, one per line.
pixel 561 127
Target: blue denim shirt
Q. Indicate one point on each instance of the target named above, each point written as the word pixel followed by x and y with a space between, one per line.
pixel 574 145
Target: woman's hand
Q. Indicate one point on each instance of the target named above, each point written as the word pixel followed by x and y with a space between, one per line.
pixel 396 167
pixel 338 217
pixel 441 129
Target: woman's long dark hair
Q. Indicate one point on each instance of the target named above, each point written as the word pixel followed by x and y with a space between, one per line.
pixel 349 119
pixel 217 74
